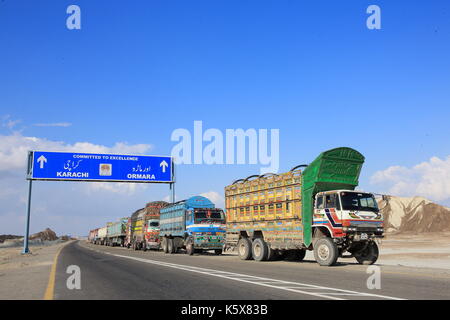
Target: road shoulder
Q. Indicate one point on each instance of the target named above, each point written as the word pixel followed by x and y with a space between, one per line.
pixel 18 271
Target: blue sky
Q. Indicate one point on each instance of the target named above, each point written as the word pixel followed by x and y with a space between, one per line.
pixel 137 70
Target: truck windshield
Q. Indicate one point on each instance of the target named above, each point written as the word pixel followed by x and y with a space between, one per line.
pixel 152 224
pixel 206 216
pixel 358 201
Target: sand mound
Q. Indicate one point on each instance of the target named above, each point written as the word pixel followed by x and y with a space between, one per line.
pixel 414 215
pixel 46 235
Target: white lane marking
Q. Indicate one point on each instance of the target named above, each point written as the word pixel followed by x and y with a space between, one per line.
pixel 280 284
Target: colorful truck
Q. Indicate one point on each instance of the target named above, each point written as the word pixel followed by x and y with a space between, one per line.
pixel 93 235
pixel 317 209
pixel 128 233
pixel 116 232
pixel 151 224
pixel 194 225
pixel 137 229
pixel 102 234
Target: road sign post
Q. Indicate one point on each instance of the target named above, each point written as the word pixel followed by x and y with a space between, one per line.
pixel 27 227
pixel 89 167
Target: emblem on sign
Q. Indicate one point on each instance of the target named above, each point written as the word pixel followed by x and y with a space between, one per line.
pixel 105 169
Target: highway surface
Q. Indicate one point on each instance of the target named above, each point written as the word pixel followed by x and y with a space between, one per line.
pixel 120 273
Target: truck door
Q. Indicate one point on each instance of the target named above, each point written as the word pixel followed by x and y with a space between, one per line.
pixel 319 212
pixel 333 209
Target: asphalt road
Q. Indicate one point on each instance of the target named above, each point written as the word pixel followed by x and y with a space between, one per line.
pixel 120 273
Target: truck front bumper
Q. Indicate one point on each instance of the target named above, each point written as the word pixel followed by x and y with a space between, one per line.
pixel 209 242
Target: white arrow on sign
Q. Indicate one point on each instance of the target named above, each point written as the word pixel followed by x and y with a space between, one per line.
pixel 164 165
pixel 41 161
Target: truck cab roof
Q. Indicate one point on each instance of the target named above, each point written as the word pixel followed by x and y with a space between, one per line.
pixel 340 190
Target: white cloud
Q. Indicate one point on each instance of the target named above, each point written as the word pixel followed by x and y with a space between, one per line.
pixel 116 187
pixel 215 197
pixel 55 124
pixel 63 206
pixel 9 123
pixel 430 179
pixel 14 148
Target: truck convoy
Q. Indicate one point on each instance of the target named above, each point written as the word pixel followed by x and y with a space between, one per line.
pixel 315 209
pixel 193 224
pixel 312 207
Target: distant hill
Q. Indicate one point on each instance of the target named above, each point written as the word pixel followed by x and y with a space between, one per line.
pixel 414 215
pixel 4 237
pixel 46 235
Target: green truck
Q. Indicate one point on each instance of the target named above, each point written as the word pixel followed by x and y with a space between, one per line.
pixel 316 208
pixel 116 233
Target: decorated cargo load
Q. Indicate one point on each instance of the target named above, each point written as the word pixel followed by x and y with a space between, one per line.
pixel 194 225
pixel 283 215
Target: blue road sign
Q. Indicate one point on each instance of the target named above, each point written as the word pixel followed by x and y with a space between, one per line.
pixel 65 166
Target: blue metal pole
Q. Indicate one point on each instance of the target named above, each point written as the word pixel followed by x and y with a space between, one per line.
pixel 173 184
pixel 27 229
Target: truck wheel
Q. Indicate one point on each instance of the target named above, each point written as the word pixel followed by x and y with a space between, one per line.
pixel 369 255
pixel 218 251
pixel 244 249
pixel 170 246
pixel 190 248
pixel 164 245
pixel 259 250
pixel 325 252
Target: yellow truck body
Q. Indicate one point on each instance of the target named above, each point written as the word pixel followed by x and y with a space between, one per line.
pixel 269 204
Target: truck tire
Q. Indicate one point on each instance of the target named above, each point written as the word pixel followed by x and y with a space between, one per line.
pixel 164 245
pixel 190 248
pixel 244 249
pixel 260 251
pixel 325 252
pixel 170 246
pixel 369 255
pixel 218 252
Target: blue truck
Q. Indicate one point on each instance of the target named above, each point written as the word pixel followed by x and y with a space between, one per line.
pixel 193 224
